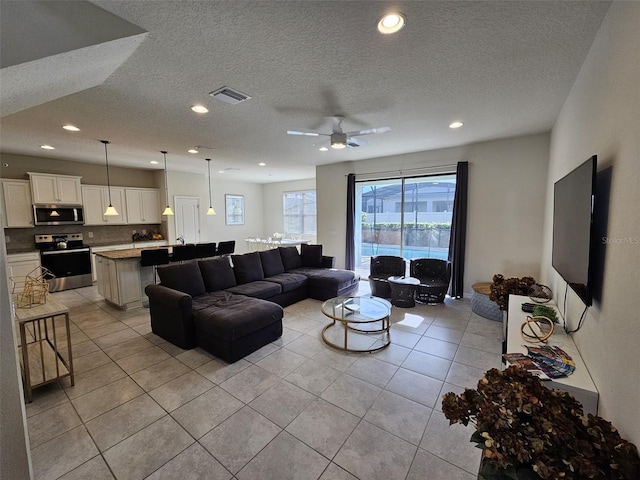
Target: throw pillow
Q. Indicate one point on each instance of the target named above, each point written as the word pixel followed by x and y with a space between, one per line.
pixel 290 258
pixel 311 255
pixel 217 274
pixel 184 277
pixel 271 262
pixel 247 267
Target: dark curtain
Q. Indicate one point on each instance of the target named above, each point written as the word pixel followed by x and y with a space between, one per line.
pixel 459 231
pixel 350 251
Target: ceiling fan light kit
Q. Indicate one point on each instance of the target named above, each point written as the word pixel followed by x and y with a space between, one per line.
pixel 338 138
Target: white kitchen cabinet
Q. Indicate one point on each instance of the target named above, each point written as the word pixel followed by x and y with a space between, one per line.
pixel 119 281
pixel 143 205
pixel 19 265
pixel 18 211
pixel 95 259
pixel 51 189
pixel 95 202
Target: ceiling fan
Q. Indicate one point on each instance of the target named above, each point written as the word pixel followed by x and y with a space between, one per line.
pixel 340 139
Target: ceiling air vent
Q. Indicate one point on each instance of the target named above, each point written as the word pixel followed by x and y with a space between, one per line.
pixel 229 95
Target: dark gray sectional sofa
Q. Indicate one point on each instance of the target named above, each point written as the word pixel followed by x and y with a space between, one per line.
pixel 231 306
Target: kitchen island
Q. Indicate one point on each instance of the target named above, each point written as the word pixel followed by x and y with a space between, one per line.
pixel 121 279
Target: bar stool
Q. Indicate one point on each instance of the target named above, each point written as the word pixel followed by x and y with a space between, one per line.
pixel 205 250
pixel 153 258
pixel 182 253
pixel 226 248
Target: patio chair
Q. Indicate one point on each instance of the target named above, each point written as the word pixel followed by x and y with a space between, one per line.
pixel 380 269
pixel 434 275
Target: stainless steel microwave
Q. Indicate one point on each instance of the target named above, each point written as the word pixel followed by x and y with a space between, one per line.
pixel 58 214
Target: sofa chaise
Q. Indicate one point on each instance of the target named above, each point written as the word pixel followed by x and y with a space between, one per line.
pixel 231 306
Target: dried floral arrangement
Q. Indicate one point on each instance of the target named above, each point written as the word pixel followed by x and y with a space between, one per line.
pixel 528 431
pixel 502 287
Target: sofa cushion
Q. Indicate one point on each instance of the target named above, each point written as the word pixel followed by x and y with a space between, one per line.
pixel 235 317
pixel 258 289
pixel 271 262
pixel 328 278
pixel 208 299
pixel 184 277
pixel 311 255
pixel 289 281
pixel 247 267
pixel 290 258
pixel 217 273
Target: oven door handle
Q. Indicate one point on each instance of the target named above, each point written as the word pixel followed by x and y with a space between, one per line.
pixel 71 250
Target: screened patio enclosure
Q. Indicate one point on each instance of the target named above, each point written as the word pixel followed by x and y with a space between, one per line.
pixel 407 217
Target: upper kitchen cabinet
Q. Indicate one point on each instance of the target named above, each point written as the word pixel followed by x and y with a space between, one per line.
pixel 55 189
pixel 17 203
pixel 95 202
pixel 143 205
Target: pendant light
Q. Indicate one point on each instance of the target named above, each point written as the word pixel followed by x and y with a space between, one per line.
pixel 211 211
pixel 110 211
pixel 167 211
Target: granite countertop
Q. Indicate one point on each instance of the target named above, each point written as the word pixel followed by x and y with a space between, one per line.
pixel 128 253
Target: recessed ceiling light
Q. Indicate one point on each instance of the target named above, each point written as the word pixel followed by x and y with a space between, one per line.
pixel 323 149
pixel 220 171
pixel 199 108
pixel 456 125
pixel 47 147
pixel 153 162
pixel 71 128
pixel 391 23
pixel 192 150
pixel 261 164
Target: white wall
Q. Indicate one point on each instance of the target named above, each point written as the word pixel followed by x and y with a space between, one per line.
pixel 213 228
pixel 507 181
pixel 272 203
pixel 15 456
pixel 602 116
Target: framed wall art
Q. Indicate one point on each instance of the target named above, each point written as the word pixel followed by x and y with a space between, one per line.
pixel 234 209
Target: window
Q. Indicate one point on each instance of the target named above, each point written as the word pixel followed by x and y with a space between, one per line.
pixel 409 217
pixel 300 212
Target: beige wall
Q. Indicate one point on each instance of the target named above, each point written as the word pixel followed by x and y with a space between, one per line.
pixel 505 208
pixel 602 116
pixel 272 203
pixel 213 228
pixel 92 174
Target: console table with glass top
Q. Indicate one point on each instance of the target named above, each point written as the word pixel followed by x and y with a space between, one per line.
pixel 45 345
pixel 360 315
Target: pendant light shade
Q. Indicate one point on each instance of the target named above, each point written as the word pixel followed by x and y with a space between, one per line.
pixel 167 210
pixel 110 211
pixel 211 211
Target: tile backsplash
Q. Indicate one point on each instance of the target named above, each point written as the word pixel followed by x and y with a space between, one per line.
pixel 22 239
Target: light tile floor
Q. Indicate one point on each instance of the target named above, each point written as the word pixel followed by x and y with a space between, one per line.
pixel 295 409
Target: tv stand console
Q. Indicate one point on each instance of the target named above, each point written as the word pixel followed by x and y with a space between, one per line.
pixel 579 383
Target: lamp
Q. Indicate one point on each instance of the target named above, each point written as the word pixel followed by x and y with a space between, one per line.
pixel 110 211
pixel 211 211
pixel 167 211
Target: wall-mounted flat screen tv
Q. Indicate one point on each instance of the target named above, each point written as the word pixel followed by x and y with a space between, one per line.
pixel 573 201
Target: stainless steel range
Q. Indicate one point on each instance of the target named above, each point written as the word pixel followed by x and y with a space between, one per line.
pixel 67 258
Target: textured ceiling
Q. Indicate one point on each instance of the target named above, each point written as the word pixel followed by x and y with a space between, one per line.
pixel 503 68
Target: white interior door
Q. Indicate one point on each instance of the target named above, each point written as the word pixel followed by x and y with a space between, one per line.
pixel 187 218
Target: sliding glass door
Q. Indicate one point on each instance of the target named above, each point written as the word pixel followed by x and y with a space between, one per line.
pixel 407 217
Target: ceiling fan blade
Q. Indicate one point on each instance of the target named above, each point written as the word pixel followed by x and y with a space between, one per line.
pixel 369 131
pixel 356 142
pixel 308 134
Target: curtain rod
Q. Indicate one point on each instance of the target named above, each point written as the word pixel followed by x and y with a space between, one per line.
pixel 416 170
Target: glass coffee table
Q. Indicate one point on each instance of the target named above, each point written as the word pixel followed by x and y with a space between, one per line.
pixel 362 315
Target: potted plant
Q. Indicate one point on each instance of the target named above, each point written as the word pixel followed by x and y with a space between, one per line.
pixel 528 431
